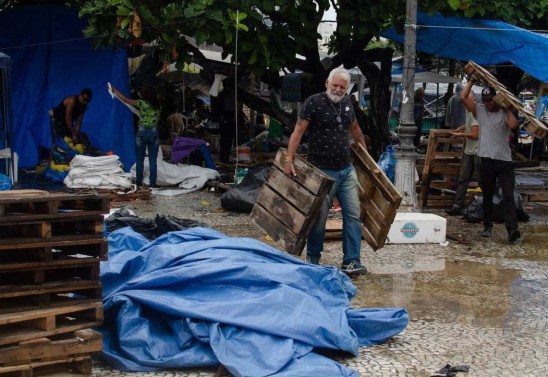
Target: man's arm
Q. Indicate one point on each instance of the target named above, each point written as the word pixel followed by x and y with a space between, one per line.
pixel 294 141
pixel 357 133
pixel 467 99
pixel 69 109
pixel 511 121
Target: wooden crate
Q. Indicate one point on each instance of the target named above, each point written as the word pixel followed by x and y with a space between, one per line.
pixel 441 170
pixel 378 197
pixel 80 366
pixel 32 324
pixel 505 98
pixel 53 251
pixel 287 207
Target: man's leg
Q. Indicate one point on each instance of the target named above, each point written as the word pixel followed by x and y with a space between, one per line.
pixel 507 185
pixel 350 204
pixel 488 179
pixel 466 174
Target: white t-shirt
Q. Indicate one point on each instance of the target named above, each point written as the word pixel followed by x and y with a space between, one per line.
pixel 494 134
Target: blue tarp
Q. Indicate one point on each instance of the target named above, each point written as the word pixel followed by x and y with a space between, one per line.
pixel 485 42
pixel 199 298
pixel 51 60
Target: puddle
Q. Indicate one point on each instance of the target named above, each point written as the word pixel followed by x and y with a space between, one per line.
pixel 454 291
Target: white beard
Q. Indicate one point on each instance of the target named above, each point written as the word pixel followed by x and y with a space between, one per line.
pixel 335 98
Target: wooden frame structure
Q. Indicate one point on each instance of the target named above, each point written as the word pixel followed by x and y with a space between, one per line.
pixel 378 197
pixel 445 165
pixel 286 208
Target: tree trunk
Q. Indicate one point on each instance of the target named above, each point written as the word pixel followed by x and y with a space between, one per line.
pixel 379 86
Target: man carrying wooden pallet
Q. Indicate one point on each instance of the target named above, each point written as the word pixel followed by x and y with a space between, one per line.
pixel 495 124
pixel 329 118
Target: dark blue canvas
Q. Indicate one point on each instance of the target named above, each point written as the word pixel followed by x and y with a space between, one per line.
pixel 486 42
pixel 50 60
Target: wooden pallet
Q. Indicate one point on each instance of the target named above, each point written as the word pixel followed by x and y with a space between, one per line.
pixel 506 99
pixel 14 296
pixel 45 272
pixel 21 205
pixel 20 231
pixel 441 170
pixel 22 326
pixel 51 251
pixel 68 367
pixel 379 198
pixel 62 347
pixel 286 208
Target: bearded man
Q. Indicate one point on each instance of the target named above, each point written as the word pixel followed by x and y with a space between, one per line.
pixel 329 118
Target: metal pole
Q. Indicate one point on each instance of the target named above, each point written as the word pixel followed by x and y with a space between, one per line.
pixel 405 154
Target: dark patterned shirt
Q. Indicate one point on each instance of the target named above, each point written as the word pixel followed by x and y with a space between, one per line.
pixel 328 140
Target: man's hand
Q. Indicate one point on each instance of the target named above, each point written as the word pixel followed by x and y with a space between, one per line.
pixel 289 168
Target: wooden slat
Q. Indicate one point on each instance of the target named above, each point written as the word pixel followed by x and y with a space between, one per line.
pixel 262 218
pixel 290 190
pixel 23 326
pixel 82 343
pixel 281 209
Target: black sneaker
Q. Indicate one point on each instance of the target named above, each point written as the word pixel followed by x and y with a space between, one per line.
pixel 354 269
pixel 515 238
pixel 310 260
pixel 456 210
pixel 487 231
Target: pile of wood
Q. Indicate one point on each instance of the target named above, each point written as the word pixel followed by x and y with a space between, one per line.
pixel 50 293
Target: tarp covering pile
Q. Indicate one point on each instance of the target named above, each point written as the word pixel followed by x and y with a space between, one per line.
pixel 200 298
pixel 486 42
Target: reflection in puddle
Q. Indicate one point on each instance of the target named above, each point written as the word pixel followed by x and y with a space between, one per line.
pixel 458 291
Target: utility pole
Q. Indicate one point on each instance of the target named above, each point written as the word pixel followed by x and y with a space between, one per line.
pixel 405 152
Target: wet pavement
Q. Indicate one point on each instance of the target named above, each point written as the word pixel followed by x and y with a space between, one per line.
pixel 482 304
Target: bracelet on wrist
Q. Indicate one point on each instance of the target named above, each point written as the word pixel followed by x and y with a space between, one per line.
pixel 288 159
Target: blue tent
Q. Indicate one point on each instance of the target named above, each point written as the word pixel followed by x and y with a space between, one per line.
pixel 51 59
pixel 483 41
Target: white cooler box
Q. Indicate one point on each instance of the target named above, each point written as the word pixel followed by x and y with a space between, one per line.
pixel 411 227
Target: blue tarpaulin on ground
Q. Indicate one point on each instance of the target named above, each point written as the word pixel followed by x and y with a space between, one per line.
pixel 200 298
pixel 51 59
pixel 486 42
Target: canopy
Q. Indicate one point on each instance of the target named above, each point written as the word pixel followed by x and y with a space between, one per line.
pixel 51 59
pixel 483 41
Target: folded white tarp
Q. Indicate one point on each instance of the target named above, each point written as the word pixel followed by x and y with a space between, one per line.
pixel 97 172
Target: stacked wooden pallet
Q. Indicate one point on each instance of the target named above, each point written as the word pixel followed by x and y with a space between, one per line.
pixel 50 293
pixel 441 169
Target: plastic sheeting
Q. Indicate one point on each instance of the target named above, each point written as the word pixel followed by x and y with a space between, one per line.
pixel 51 59
pixel 485 42
pixel 199 298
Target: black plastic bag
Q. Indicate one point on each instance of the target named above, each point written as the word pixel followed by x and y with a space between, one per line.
pixel 243 197
pixel 149 228
pixel 473 213
pixel 123 217
pixel 167 223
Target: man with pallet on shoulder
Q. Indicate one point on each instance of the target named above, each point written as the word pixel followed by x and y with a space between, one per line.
pixel 495 124
pixel 329 118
